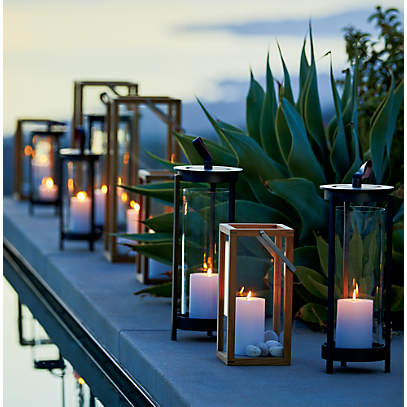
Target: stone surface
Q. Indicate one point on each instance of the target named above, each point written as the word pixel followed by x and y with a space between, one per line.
pixel 253 351
pixel 136 331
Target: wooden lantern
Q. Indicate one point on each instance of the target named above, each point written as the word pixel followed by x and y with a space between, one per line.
pixel 255 293
pixel 123 162
pixel 150 271
pixel 23 151
pixel 113 87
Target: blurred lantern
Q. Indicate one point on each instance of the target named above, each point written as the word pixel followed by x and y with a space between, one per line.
pixel 203 209
pixel 112 87
pixel 79 195
pixel 125 151
pixel 44 182
pixel 23 151
pixel 359 274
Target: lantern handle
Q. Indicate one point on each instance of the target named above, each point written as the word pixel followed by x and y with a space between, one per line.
pixel 362 173
pixel 202 150
pixel 105 98
pixel 81 138
pixel 271 247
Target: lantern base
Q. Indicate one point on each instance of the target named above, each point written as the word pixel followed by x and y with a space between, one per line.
pixel 374 354
pixel 196 324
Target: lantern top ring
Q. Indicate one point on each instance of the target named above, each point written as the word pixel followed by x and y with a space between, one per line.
pixel 366 193
pixel 218 174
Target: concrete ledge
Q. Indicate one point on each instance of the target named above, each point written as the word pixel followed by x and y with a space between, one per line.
pixel 136 332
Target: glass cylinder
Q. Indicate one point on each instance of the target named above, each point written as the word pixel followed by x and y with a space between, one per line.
pixel 202 211
pixel 44 181
pixel 80 198
pixel 359 256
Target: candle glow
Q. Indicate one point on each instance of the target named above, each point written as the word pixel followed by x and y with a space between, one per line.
pixel 103 188
pixel 81 195
pixel 48 182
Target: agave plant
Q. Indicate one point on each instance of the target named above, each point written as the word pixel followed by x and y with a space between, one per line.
pixel 286 153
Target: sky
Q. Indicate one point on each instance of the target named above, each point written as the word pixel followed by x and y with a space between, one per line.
pixel 178 48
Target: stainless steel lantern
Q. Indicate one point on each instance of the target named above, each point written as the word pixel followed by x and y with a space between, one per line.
pixel 79 196
pixel 359 286
pixel 255 294
pixel 151 271
pixel 196 223
pixel 95 87
pixel 126 155
pixel 23 151
pixel 43 170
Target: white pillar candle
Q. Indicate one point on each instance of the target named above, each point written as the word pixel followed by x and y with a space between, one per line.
pixel 80 213
pixel 203 295
pixel 48 191
pixel 132 217
pixel 249 322
pixel 354 323
pixel 100 205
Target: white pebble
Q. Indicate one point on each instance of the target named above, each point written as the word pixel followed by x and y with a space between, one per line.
pixel 273 343
pixel 252 350
pixel 264 348
pixel 276 351
pixel 270 335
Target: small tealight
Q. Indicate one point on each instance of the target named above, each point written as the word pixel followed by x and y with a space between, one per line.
pixel 253 351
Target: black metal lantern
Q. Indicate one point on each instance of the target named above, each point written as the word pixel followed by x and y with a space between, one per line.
pixel 43 178
pixel 203 209
pixel 359 272
pixel 78 195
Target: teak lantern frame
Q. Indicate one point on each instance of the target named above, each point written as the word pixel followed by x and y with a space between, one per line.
pixel 22 152
pixel 342 196
pixel 78 98
pixel 84 162
pixel 278 240
pixel 214 176
pixel 132 103
pixel 52 139
pixel 146 177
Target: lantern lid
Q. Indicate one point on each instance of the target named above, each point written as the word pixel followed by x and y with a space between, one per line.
pixel 216 174
pixel 75 154
pixel 366 192
pixel 45 133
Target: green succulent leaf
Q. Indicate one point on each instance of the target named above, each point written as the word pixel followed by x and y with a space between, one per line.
pixel 283 134
pixel 305 255
pixel 323 250
pixel 304 70
pixel 314 313
pixel 267 119
pixel 314 282
pixel 382 130
pixel 163 191
pixel 161 252
pixel 301 160
pixel 165 163
pixel 303 196
pixel 161 223
pixel 226 126
pixel 339 154
pixel 147 237
pixel 347 89
pixel 287 91
pixel 160 290
pixel 397 298
pixel 254 103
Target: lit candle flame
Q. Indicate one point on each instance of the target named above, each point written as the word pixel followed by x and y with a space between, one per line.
pixel 241 291
pixel 81 195
pixel 356 292
pixel 70 185
pixel 173 157
pixel 119 180
pixel 48 182
pixel 103 188
pixel 126 158
pixel 209 271
pixel 249 295
pixel 28 150
pixel 124 196
pixel 81 380
pixel 135 205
